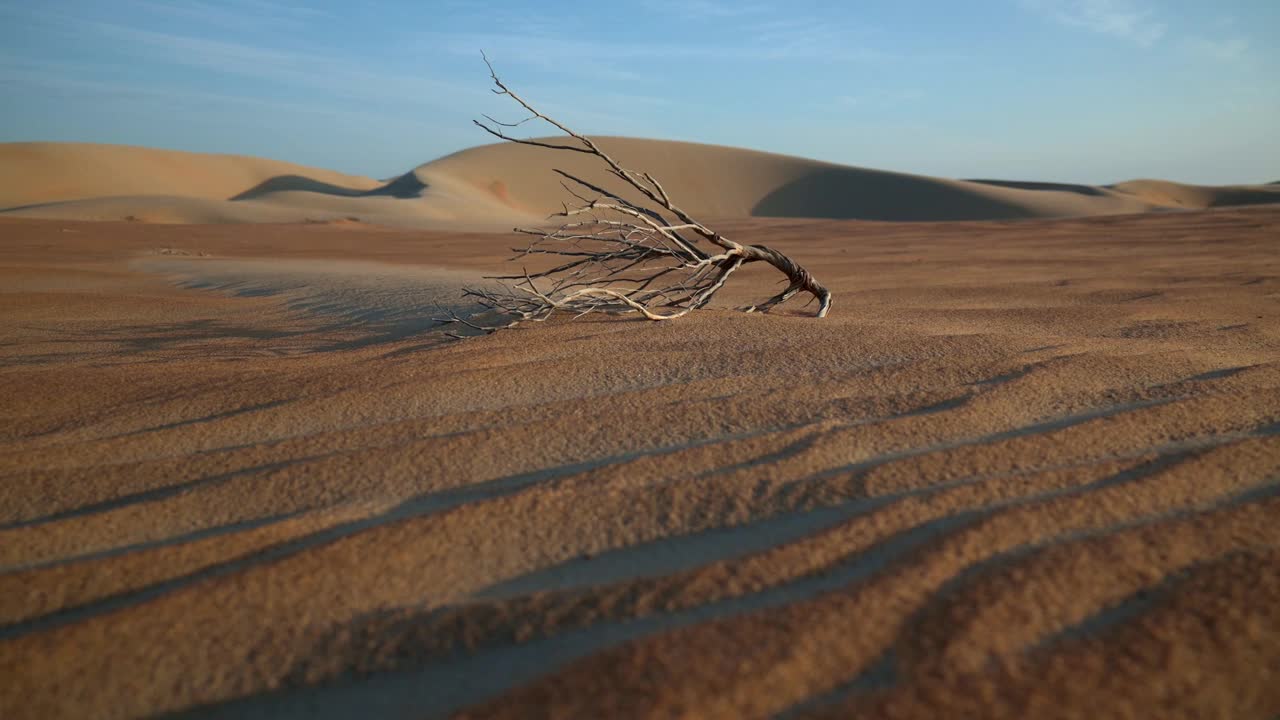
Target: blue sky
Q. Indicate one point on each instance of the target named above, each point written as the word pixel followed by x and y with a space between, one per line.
pixel 1066 90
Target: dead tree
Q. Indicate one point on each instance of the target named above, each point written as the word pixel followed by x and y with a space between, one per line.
pixel 616 255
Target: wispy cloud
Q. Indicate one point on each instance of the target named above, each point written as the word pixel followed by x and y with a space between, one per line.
pixel 790 39
pixel 1117 18
pixel 76 79
pixel 665 31
pixel 232 14
pixel 879 99
pixel 706 9
pixel 1222 40
pixel 803 38
pixel 337 75
pixel 340 79
pixel 1227 50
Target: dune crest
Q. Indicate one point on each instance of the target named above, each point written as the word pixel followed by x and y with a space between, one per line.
pixel 721 181
pixel 1197 197
pixel 495 186
pixel 47 172
pixel 83 181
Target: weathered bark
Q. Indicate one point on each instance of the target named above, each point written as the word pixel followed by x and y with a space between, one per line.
pixel 623 256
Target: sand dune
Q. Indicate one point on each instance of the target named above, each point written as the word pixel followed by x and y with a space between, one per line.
pixel 717 181
pixel 1022 470
pixel 1170 194
pixel 496 186
pixel 41 172
pixel 107 182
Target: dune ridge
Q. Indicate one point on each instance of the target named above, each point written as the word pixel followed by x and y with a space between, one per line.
pixel 47 172
pixel 81 181
pixel 495 186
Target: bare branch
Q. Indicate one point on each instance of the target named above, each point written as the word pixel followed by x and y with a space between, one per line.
pixel 622 256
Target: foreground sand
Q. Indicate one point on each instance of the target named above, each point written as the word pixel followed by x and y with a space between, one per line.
pixel 1023 470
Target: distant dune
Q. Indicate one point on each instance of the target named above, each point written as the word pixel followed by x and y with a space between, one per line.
pixel 495 186
pixel 1171 194
pixel 718 181
pixel 32 173
pixel 77 181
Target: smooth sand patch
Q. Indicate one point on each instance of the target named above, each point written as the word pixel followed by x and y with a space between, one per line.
pixel 395 298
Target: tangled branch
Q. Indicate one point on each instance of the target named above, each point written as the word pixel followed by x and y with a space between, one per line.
pixel 616 255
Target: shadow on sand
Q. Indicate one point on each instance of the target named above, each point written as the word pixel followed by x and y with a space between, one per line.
pixel 404 187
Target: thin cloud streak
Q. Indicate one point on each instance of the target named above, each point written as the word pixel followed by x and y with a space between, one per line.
pixel 1228 50
pixel 336 75
pixel 706 9
pixel 1116 18
pixel 243 15
pixel 797 43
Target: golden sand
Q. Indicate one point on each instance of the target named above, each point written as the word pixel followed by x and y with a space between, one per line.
pixel 1024 469
pixel 493 187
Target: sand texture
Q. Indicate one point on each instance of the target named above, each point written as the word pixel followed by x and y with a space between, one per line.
pixel 493 187
pixel 1024 469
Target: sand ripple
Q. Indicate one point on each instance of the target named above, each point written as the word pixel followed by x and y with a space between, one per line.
pixel 1023 470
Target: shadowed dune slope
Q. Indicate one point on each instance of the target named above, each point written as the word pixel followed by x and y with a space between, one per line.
pixel 719 181
pixel 76 181
pixel 496 186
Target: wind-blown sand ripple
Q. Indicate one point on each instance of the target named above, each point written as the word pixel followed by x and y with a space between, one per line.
pixel 1023 469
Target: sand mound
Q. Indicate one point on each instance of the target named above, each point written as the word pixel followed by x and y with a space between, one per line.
pixel 387 301
pixel 718 181
pixel 42 172
pixel 74 181
pixel 496 186
pixel 1171 194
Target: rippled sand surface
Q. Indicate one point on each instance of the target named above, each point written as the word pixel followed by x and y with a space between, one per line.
pixel 1023 470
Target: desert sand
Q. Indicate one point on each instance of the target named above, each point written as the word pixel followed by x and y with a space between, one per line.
pixel 1024 469
pixel 493 187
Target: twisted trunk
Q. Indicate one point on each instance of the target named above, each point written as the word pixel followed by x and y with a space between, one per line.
pixel 623 256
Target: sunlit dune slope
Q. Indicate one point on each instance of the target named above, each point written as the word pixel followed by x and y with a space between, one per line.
pixel 77 181
pixel 46 172
pixel 499 185
pixel 1171 194
pixel 714 180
